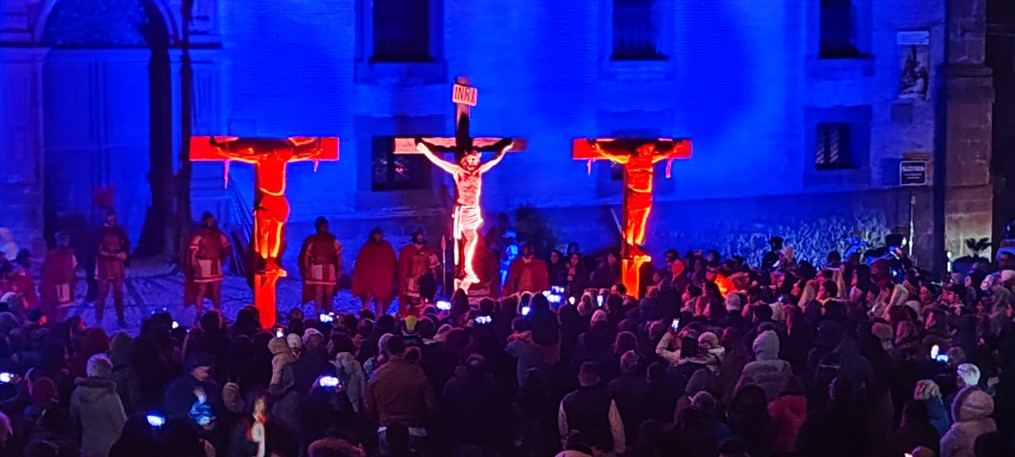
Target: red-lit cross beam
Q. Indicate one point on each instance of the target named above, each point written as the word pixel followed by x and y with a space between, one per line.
pixel 638 157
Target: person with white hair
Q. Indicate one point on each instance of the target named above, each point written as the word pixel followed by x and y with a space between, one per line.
pixel 967 375
pixel 95 408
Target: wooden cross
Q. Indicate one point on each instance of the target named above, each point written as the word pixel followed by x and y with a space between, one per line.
pixel 270 156
pixel 638 156
pixel 466 171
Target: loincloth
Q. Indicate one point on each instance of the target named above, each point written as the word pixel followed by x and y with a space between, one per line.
pixel 273 207
pixel 467 218
pixel 321 275
pixel 637 201
pixel 109 268
pixel 207 270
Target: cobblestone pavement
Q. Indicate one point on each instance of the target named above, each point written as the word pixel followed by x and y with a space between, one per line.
pixel 152 286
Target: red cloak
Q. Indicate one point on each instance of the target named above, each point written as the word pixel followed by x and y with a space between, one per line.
pixel 527 277
pixel 24 284
pixel 57 274
pixel 374 272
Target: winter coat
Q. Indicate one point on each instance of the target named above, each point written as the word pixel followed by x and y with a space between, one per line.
pixel 350 372
pixel 836 430
pixel 971 410
pixel 283 387
pixel 631 394
pixel 938 414
pixel 767 370
pixel 400 392
pixel 788 414
pixel 476 408
pixel 96 410
pixel 180 399
pixel 128 384
pixel 309 367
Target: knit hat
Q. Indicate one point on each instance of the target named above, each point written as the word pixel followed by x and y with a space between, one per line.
pixel 442 333
pixel 1007 276
pixel 307 334
pixel 883 331
pixel 925 390
pixel 599 316
pixel 708 340
pixel 278 346
pixel 969 373
pixel 99 366
pixel 629 361
pixel 732 302
pixel 232 398
pixel 294 341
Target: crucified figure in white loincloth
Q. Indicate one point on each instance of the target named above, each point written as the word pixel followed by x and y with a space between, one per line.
pixel 468 175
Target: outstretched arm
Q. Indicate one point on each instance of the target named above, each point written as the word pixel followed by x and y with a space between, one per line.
pixel 497 158
pixel 234 149
pixel 426 150
pixel 305 149
pixel 615 158
pixel 680 148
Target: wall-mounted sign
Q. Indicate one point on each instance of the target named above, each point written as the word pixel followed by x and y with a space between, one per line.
pixel 913 173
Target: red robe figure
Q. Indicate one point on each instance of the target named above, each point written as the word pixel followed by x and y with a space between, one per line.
pixel 22 281
pixel 527 273
pixel 58 278
pixel 321 266
pixel 110 266
pixel 374 275
pixel 417 273
pixel 202 266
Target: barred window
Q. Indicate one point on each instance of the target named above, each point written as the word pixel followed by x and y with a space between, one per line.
pixel 635 31
pixel 834 148
pixel 392 171
pixel 401 31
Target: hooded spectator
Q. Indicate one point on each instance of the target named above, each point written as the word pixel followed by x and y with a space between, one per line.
pixel 352 377
pixel 971 411
pixel 767 370
pixel 96 409
pixel 283 384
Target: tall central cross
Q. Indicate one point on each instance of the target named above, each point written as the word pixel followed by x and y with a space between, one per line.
pixel 467 171
pixel 270 157
pixel 638 157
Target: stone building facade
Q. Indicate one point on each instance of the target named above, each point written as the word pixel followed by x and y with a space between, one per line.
pixel 800 112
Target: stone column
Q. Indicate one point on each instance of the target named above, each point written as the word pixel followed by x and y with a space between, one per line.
pixel 22 181
pixel 966 191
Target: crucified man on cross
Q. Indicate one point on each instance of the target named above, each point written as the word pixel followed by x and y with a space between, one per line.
pixel 270 156
pixel 638 169
pixel 468 176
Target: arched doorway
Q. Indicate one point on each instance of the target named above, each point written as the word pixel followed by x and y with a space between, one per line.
pixel 107 117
